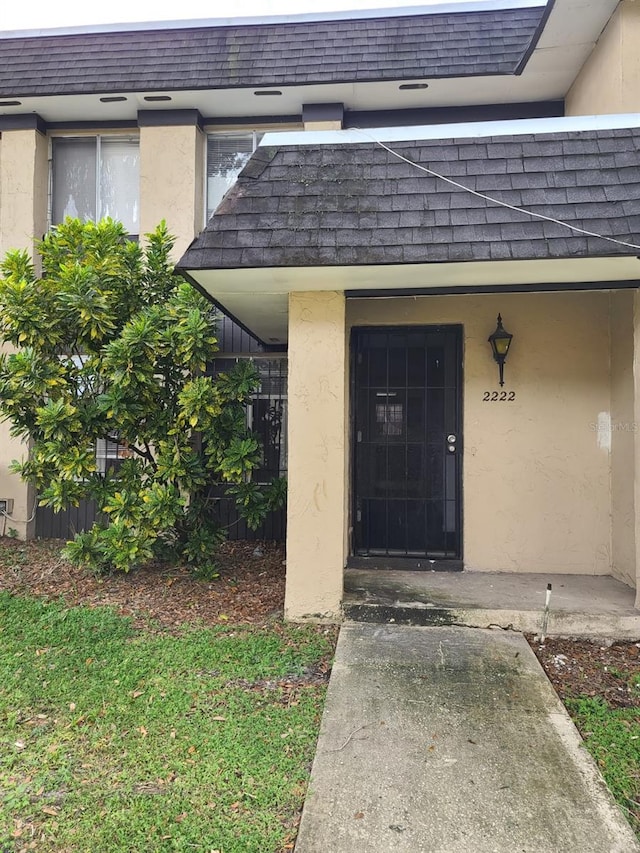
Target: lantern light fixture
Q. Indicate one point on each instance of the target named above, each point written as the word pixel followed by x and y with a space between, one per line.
pixel 500 342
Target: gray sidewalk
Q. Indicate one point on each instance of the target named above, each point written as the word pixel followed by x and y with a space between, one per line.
pixel 451 740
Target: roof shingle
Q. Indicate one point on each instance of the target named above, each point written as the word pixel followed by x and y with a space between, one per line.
pixel 271 54
pixel 359 204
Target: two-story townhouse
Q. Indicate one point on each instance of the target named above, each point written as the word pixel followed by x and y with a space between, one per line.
pixel 445 167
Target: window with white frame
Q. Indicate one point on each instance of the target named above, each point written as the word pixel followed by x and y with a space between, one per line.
pixel 94 177
pixel 110 453
pixel 227 154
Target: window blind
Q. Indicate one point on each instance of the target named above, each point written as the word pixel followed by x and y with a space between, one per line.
pixel 226 156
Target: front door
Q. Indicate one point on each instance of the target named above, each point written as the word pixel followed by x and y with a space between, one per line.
pixel 407 444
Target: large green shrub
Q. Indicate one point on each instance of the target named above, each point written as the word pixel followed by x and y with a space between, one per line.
pixel 109 343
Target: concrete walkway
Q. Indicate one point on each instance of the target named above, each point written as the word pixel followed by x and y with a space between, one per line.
pixel 451 740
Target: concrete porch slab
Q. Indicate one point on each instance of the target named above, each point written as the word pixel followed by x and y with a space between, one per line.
pixel 450 740
pixel 581 605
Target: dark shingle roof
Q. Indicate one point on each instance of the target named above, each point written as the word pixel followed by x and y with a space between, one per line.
pixel 274 54
pixel 358 204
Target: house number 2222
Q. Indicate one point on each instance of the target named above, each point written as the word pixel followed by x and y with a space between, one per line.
pixel 499 396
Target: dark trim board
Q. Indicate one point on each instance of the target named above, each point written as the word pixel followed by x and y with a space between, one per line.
pixel 23 121
pixel 462 290
pixel 96 126
pixel 169 118
pixel 323 112
pixel 536 37
pixel 404 564
pixel 251 121
pixel 450 115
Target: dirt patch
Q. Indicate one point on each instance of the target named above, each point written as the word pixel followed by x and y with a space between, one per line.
pixel 250 588
pixel 585 668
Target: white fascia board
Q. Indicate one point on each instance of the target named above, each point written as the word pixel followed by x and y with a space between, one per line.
pixel 262 281
pixel 463 130
pixel 257 20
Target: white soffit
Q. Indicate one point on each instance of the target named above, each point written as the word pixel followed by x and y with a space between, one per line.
pixel 571 32
pixel 259 297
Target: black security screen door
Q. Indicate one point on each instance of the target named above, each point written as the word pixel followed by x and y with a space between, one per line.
pixel 407 442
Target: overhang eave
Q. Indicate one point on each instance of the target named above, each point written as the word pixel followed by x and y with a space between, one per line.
pixel 258 296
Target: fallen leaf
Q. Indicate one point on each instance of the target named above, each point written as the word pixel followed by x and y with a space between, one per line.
pixel 51 810
pixel 358 815
pixel 20 744
pixel 136 693
pixel 72 706
pixel 219 719
pixel 142 731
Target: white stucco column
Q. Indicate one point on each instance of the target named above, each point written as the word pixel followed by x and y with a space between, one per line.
pixel 635 469
pixel 317 464
pixel 172 161
pixel 23 219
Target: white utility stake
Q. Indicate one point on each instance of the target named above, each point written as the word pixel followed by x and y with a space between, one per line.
pixel 545 615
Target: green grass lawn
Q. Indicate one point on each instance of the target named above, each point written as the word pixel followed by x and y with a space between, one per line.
pixel 116 739
pixel 612 736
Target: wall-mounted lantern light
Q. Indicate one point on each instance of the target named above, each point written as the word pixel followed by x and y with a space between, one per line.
pixel 500 342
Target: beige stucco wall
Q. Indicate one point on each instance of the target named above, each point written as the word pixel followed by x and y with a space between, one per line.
pixel 635 468
pixel 609 81
pixel 23 188
pixel 536 472
pixel 623 438
pixel 172 161
pixel 23 215
pixel 317 467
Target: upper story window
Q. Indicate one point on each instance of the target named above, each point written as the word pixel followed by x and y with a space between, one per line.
pixel 227 154
pixel 94 177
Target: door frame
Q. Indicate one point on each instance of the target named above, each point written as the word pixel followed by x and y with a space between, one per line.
pixel 397 562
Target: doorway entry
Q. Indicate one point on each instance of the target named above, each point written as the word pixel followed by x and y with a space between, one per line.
pixel 407 443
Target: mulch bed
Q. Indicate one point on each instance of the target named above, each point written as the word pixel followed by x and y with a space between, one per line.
pixel 250 589
pixel 585 668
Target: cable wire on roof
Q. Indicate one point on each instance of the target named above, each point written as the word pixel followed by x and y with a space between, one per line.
pixel 497 200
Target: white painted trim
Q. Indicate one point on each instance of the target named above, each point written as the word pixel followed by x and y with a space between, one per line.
pixel 464 130
pixel 308 17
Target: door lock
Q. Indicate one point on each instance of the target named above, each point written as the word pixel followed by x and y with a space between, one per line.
pixel 451 439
